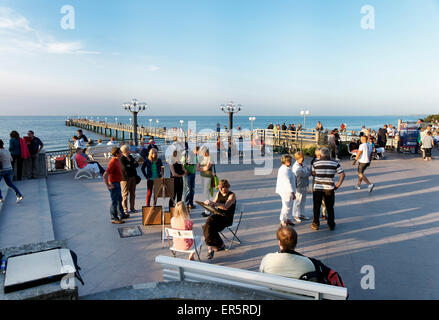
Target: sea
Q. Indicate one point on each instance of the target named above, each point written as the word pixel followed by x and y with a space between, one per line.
pixel 55 134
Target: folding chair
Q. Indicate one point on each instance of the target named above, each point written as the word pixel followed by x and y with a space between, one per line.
pixel 234 229
pixel 184 234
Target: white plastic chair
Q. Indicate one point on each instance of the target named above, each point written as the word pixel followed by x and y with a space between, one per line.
pixel 184 234
pixel 86 172
pixel 353 154
pixel 234 229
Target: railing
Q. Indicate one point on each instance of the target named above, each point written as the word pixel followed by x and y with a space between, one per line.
pixel 59 161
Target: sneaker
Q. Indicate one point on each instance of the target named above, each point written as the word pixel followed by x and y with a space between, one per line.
pixel 357 187
pixel 297 219
pixel 371 187
pixel 314 227
pixel 19 199
pixel 133 211
pixel 302 217
pixel 117 221
pixel 126 216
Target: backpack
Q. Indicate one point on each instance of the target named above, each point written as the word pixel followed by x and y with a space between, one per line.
pixel 323 274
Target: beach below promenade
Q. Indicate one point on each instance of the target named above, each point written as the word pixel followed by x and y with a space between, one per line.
pixel 394 229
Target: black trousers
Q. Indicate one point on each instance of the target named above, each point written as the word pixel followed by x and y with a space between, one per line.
pixel 214 224
pixel 178 191
pixel 329 197
pixel 18 161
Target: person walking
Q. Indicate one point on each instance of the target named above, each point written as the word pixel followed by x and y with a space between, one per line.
pixel 6 172
pixel 204 167
pixel 129 177
pixel 427 145
pixel 15 150
pixel 302 174
pixel 286 189
pixel 112 179
pixel 363 157
pixel 324 171
pixel 151 169
pixel 190 161
pixel 35 145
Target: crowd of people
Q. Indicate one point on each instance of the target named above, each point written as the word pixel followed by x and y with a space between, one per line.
pixel 11 159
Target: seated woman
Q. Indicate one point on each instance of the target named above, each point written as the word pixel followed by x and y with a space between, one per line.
pixel 224 202
pixel 83 162
pixel 181 221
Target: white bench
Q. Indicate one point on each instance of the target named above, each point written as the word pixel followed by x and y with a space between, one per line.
pixel 86 172
pixel 175 269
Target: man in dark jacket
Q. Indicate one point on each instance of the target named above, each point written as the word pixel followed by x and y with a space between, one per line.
pixel 382 136
pixel 35 145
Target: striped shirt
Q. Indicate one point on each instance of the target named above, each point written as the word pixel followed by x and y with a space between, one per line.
pixel 324 171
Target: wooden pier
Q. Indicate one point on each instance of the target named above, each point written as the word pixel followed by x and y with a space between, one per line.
pixel 281 138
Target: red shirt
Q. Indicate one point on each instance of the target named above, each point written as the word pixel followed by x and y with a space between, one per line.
pixel 81 161
pixel 114 171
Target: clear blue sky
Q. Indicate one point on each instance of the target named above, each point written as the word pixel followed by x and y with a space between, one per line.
pixel 187 57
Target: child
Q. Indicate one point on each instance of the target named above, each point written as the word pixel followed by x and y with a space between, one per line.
pixel 181 221
pixel 302 174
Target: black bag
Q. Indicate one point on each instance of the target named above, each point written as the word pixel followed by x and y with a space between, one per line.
pixel 138 179
pixel 77 267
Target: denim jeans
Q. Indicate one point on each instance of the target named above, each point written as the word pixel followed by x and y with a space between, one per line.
pixel 116 209
pixel 191 189
pixel 7 175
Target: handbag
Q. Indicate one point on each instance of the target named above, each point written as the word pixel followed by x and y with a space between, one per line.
pixel 138 179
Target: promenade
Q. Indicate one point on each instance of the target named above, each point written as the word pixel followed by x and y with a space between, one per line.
pixel 395 229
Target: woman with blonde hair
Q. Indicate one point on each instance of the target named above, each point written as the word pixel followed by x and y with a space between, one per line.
pixel 286 188
pixel 129 176
pixel 205 169
pixel 181 221
pixel 153 165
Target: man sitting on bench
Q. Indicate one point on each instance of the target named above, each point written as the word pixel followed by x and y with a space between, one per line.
pixel 286 262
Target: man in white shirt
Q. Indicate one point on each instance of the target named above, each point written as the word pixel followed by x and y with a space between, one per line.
pixel 286 262
pixel 363 157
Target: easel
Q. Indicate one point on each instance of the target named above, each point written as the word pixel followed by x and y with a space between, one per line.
pixel 166 189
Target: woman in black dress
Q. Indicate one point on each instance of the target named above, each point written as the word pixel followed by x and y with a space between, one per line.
pixel 225 203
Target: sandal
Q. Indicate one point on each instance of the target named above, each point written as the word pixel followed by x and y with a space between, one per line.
pixel 210 254
pixel 223 247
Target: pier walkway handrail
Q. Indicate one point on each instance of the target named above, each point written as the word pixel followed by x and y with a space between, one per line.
pixel 280 138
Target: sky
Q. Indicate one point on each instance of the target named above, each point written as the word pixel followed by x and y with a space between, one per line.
pixel 275 57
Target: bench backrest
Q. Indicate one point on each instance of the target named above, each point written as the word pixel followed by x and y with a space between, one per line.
pixel 179 234
pixel 99 149
pixel 272 285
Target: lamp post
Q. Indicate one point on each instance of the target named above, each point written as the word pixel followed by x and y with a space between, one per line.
pixel 135 107
pixel 304 114
pixel 150 126
pixel 157 122
pixel 115 119
pixel 230 108
pixel 251 123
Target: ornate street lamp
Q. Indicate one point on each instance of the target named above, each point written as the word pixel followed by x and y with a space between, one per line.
pixel 230 108
pixel 134 106
pixel 304 114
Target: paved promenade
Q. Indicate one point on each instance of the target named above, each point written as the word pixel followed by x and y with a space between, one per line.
pixel 395 229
